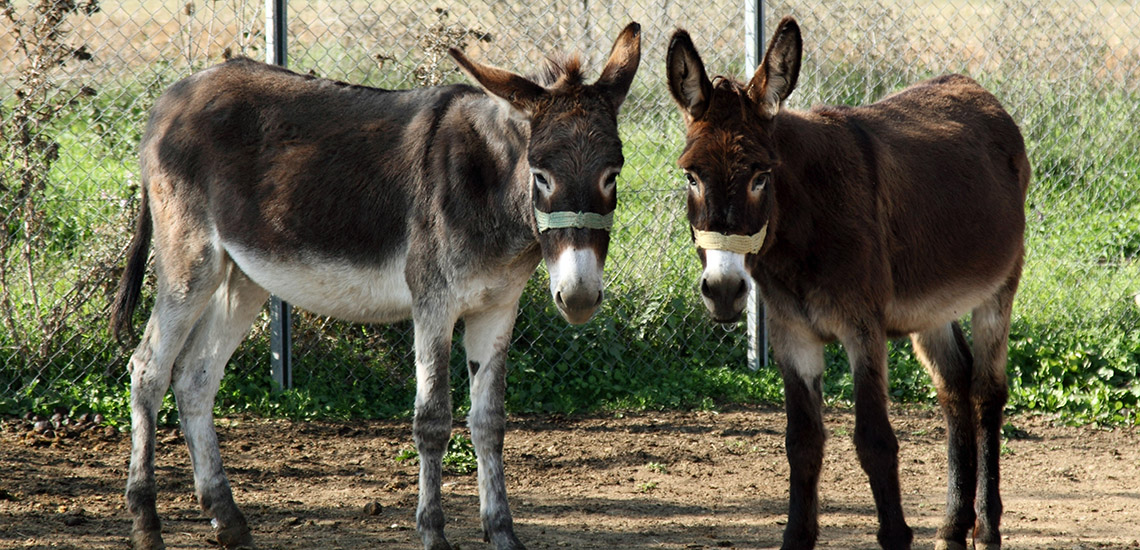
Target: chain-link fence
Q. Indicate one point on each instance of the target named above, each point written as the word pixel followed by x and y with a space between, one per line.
pixel 79 77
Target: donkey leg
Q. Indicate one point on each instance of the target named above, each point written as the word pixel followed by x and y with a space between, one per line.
pixel 176 309
pixel 800 356
pixel 875 440
pixel 431 427
pixel 197 375
pixel 487 338
pixel 990 391
pixel 946 356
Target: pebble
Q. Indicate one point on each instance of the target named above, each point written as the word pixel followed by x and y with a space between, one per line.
pixel 41 426
pixel 373 508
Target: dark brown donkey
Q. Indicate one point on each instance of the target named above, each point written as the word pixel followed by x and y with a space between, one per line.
pixel 859 225
pixel 435 204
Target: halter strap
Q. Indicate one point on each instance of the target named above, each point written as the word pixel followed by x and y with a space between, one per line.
pixel 584 220
pixel 740 244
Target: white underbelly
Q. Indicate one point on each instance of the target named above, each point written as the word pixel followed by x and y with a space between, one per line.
pixel 332 287
pixel 936 309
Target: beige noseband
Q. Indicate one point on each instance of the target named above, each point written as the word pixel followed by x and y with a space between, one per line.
pixel 582 220
pixel 740 244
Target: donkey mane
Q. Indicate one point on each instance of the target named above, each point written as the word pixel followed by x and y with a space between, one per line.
pixel 561 68
pixel 309 76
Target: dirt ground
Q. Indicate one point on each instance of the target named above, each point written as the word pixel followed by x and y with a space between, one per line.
pixel 676 480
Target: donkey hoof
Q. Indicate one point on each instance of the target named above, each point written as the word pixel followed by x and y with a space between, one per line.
pixel 147 540
pixel 505 541
pixel 942 544
pixel 234 537
pixel 436 543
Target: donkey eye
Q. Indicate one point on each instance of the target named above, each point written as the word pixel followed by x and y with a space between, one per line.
pixel 692 180
pixel 541 181
pixel 611 180
pixel 760 180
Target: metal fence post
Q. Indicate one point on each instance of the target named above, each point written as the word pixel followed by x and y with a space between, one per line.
pixel 755 312
pixel 280 317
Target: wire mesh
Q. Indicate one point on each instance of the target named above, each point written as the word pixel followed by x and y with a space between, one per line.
pixel 1068 72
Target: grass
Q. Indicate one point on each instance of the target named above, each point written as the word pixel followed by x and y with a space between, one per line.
pixel 1074 347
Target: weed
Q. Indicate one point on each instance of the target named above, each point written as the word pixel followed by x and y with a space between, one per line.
pixel 646 487
pixel 459 458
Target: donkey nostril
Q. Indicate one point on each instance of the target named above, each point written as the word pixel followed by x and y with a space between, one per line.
pixel 599 300
pixel 558 299
pixel 740 292
pixel 705 290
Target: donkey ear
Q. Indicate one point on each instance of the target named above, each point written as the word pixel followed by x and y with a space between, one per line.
pixel 688 81
pixel 775 78
pixel 519 92
pixel 622 65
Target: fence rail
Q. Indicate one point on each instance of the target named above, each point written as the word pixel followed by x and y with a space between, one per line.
pixel 78 81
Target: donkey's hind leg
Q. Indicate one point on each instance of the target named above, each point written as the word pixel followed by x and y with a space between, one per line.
pixel 990 391
pixel 197 375
pixel 185 283
pixel 946 356
pixel 487 337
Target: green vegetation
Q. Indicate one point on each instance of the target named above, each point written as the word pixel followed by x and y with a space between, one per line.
pixel 1074 350
pixel 459 458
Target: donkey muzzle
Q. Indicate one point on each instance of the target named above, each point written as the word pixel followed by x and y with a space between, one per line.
pixel 724 285
pixel 576 284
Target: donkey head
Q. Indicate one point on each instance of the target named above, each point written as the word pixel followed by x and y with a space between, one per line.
pixel 574 155
pixel 729 159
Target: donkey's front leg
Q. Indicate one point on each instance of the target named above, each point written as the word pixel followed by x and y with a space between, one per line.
pixel 800 357
pixel 875 440
pixel 432 424
pixel 487 338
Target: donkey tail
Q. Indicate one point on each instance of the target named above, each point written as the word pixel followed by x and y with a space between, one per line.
pixel 130 285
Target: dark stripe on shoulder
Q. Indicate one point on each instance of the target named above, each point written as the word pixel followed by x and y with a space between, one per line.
pixel 867 147
pixel 439 110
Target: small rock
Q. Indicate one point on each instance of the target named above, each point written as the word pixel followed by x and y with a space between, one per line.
pixel 74 517
pixel 110 431
pixel 98 418
pixel 84 418
pixel 41 426
pixel 373 508
pixel 29 416
pixel 291 521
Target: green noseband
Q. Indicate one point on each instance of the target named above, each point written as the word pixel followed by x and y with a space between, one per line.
pixel 583 220
pixel 740 244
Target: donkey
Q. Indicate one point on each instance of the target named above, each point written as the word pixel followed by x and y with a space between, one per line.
pixel 434 204
pixel 858 225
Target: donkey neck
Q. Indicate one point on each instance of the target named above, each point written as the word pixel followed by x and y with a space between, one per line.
pixel 478 161
pixel 823 191
pixel 506 137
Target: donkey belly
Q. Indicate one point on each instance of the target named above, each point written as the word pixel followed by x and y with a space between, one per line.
pixel 936 308
pixel 330 286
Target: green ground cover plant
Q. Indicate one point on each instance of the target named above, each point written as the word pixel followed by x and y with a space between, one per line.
pixel 1072 352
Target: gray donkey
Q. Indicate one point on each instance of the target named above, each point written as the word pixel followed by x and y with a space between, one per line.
pixel 370 205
